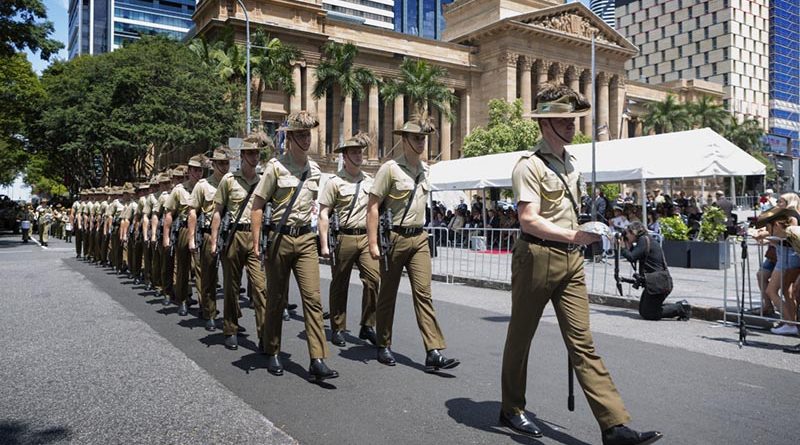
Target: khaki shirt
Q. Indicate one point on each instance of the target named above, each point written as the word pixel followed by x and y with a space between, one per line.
pixel 393 183
pixel 159 204
pixel 150 202
pixel 278 184
pixel 129 211
pixel 76 208
pixel 339 195
pixel 43 213
pixel 232 190
pixel 203 197
pixel 115 209
pixel 533 181
pixel 140 205
pixel 100 209
pixel 179 201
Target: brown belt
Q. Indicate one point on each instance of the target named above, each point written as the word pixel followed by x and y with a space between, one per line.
pixel 567 247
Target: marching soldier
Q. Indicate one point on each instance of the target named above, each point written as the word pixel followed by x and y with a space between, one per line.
pixel 127 227
pixel 547 265
pixel 200 217
pixel 234 197
pixel 76 220
pixel 44 216
pixel 88 228
pixel 158 279
pixel 402 186
pixel 26 218
pixel 346 196
pixel 139 232
pixel 177 213
pixel 290 183
pixel 102 237
pixel 113 220
pixel 149 233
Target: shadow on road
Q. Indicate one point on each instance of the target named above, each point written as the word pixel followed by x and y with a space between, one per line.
pixel 750 343
pixel 19 433
pixel 5 243
pixel 484 416
pixel 497 318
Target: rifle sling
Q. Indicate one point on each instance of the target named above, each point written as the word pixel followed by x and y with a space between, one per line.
pixel 353 202
pixel 288 210
pixel 239 216
pixel 564 181
pixel 410 199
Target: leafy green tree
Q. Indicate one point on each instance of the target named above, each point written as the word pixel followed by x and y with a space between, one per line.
pixel 338 69
pixel 581 138
pixel 422 84
pixel 21 27
pixel 133 110
pixel 707 113
pixel 746 135
pixel 271 62
pixel 20 96
pixel 666 116
pixel 507 131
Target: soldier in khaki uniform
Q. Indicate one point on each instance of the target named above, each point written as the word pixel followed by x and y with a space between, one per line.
pixel 101 243
pixel 547 265
pixel 128 220
pixel 113 220
pixel 138 232
pixel 402 186
pixel 206 274
pixel 77 223
pixel 177 212
pixel 230 197
pixel 293 245
pixel 347 195
pixel 177 176
pixel 148 233
pixel 44 216
pixel 159 263
pixel 86 206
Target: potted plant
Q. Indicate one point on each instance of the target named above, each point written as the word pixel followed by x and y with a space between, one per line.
pixel 709 251
pixel 676 241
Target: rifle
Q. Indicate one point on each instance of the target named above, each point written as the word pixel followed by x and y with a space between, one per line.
pixel 264 242
pixel 384 237
pixel 222 234
pixel 198 231
pixel 160 230
pixel 130 231
pixel 333 236
pixel 173 235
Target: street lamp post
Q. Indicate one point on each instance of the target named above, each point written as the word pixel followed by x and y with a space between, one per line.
pixel 247 62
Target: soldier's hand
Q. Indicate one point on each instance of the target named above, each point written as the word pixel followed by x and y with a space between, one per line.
pixel 165 243
pixel 374 252
pixel 192 247
pixel 325 252
pixel 586 238
pixel 213 246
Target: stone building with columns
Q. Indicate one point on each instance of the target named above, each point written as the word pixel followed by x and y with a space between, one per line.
pixel 491 49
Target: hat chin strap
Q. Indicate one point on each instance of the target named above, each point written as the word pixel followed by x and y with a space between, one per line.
pixel 563 139
pixel 351 161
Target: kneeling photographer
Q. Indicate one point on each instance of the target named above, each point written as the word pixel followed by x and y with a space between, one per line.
pixel 653 275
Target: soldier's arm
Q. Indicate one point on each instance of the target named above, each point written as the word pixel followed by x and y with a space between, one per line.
pixel 192 226
pixel 322 225
pixel 372 226
pixel 215 223
pixel 123 229
pixel 261 195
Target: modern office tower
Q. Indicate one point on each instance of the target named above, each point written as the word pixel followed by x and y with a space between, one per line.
pixel 424 18
pixel 722 41
pixel 99 26
pixel 379 13
pixel 606 10
pixel 784 72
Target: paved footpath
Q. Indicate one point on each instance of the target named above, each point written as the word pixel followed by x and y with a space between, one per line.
pixel 91 359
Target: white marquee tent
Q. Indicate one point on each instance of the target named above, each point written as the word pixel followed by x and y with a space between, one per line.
pixel 687 154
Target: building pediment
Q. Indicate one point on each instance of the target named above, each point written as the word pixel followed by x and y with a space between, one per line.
pixel 576 20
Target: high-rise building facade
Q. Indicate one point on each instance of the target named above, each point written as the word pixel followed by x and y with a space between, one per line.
pixel 99 26
pixel 424 18
pixel 379 13
pixel 606 10
pixel 784 71
pixel 721 41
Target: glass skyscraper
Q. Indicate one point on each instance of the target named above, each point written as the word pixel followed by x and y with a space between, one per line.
pixel 99 26
pixel 422 18
pixel 784 71
pixel 606 10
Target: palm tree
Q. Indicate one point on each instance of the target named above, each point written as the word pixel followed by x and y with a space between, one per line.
pixel 422 84
pixel 746 135
pixel 272 65
pixel 666 116
pixel 338 69
pixel 707 112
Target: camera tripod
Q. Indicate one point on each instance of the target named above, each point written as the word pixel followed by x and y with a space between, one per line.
pixel 740 303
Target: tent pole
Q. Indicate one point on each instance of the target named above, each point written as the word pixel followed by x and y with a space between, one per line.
pixel 644 203
pixel 483 210
pixel 702 191
pixel 733 191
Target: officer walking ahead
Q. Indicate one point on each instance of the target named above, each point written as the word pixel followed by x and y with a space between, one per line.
pixel 402 186
pixel 290 183
pixel 44 214
pixel 235 197
pixel 547 265
pixel 345 197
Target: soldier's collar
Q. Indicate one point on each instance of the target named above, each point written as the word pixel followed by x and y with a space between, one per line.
pixel 421 167
pixel 345 175
pixel 545 149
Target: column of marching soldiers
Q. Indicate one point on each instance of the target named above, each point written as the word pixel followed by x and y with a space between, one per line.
pixel 180 224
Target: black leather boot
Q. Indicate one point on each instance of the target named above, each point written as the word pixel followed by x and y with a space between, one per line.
pixel 231 342
pixel 436 361
pixel 274 365
pixel 386 357
pixel 368 333
pixel 520 423
pixel 622 435
pixel 337 338
pixel 319 370
pixel 183 310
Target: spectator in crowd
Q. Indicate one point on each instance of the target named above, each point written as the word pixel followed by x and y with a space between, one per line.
pixel 619 222
pixel 600 206
pixel 456 225
pixel 658 198
pixel 726 206
pixel 767 201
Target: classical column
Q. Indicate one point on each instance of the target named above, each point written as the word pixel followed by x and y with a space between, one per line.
pixel 372 152
pixel 398 123
pixel 557 72
pixel 542 68
pixel 347 131
pixel 525 83
pixel 508 67
pixel 573 81
pixel 311 107
pixel 296 101
pixel 614 108
pixel 602 106
pixel 639 128
pixel 446 135
pixel 464 119
pixel 622 106
pixel 586 122
pixel 322 130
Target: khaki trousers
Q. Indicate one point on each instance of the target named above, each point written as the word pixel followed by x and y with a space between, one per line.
pixel 540 274
pixel 183 264
pixel 239 256
pixel 78 240
pixel 412 253
pixel 147 261
pixel 87 241
pixel 136 258
pixel 116 249
pixel 104 246
pixel 44 232
pixel 206 278
pixel 353 250
pixel 155 267
pixel 167 271
pixel 299 255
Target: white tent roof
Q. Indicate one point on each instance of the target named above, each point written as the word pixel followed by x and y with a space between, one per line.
pixel 686 154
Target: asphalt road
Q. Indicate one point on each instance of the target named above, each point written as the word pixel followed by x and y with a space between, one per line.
pixel 91 359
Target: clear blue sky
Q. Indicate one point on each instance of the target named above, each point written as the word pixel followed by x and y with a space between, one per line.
pixel 56 13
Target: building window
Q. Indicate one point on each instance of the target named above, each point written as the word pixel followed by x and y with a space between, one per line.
pixel 697 72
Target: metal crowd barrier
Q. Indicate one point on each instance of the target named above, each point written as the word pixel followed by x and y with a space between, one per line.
pixel 472 253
